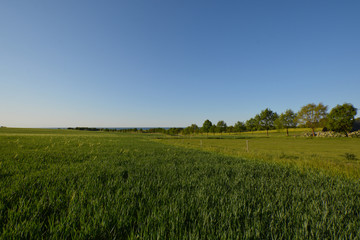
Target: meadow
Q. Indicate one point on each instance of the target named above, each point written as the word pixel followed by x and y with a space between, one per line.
pixel 335 156
pixel 101 185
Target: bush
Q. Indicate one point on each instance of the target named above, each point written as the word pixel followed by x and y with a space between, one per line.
pixel 350 156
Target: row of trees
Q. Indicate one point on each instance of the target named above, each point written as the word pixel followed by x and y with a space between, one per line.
pixel 340 119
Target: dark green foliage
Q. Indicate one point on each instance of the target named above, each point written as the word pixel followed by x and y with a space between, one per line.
pixel 341 118
pixel 350 156
pixel 191 129
pixel 239 127
pixel 206 126
pixel 212 129
pixel 98 185
pixel 230 129
pixel 251 124
pixel 286 120
pixel 221 126
pixel 174 131
pixel 267 119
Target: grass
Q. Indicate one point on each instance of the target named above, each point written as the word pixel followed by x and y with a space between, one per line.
pixel 335 156
pixel 86 185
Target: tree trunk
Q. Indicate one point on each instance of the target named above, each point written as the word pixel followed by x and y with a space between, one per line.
pixel 313 132
pixel 267 132
pixel 287 132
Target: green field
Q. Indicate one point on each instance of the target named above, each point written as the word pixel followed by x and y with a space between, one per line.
pixel 329 155
pixel 98 185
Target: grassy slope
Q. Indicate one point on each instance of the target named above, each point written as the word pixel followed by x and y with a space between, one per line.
pixel 326 154
pixel 65 184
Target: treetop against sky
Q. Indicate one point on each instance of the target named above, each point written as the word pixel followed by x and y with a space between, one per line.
pixel 169 63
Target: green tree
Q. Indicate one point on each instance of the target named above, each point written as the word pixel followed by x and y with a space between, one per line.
pixel 341 118
pixel 221 126
pixel 212 129
pixel 312 116
pixel 187 131
pixel 191 129
pixel 230 129
pixel 174 131
pixel 251 124
pixel 278 124
pixel 206 126
pixel 257 120
pixel 239 126
pixel 286 120
pixel 194 128
pixel 267 118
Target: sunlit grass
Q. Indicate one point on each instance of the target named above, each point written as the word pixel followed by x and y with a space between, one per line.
pixel 326 154
pixel 86 185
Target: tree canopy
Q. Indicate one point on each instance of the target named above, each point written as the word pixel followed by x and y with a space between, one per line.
pixel 312 116
pixel 221 126
pixel 267 118
pixel 341 118
pixel 206 126
pixel 251 124
pixel 239 126
pixel 286 120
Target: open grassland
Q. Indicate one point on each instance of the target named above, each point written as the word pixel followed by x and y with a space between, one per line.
pixel 84 185
pixel 330 155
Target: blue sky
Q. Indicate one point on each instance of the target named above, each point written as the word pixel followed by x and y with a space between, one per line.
pixel 141 63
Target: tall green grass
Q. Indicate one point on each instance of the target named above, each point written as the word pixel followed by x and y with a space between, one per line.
pixel 108 185
pixel 326 154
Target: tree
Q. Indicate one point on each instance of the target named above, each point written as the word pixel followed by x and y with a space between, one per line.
pixel 194 128
pixel 239 126
pixel 267 118
pixel 257 120
pixel 206 126
pixel 175 131
pixel 312 116
pixel 191 129
pixel 212 129
pixel 278 124
pixel 221 126
pixel 187 131
pixel 230 129
pixel 341 118
pixel 286 120
pixel 251 124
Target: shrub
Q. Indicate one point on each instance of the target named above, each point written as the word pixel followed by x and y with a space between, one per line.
pixel 350 156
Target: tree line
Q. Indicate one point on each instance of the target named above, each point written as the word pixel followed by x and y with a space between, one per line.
pixel 340 119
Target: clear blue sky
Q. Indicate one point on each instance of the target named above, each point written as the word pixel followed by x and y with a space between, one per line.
pixel 142 63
